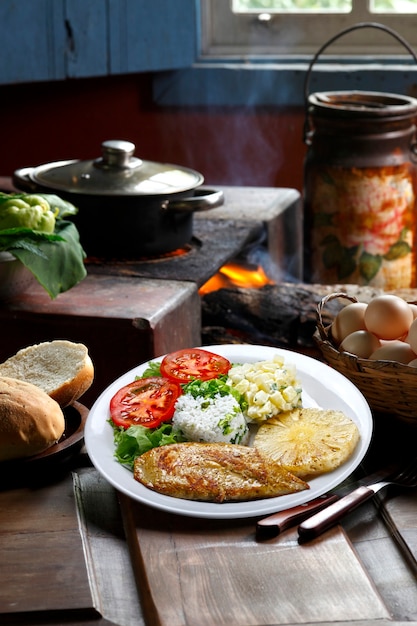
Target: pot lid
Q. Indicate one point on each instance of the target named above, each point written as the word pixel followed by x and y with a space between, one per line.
pixel 117 172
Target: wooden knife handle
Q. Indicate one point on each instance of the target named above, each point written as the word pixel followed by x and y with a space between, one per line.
pixel 273 525
pixel 328 517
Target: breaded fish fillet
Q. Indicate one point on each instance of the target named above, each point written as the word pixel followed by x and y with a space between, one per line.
pixel 214 472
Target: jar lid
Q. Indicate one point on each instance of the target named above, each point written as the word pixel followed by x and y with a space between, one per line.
pixel 369 104
pixel 117 172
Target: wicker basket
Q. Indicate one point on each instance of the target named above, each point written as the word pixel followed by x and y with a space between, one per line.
pixel 388 386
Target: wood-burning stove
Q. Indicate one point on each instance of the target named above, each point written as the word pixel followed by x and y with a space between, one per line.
pixel 127 312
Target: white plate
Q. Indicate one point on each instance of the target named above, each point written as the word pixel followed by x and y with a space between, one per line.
pixel 322 386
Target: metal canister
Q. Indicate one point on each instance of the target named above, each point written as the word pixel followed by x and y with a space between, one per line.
pixel 360 189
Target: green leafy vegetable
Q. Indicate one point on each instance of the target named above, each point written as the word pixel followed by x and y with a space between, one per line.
pixel 57 267
pixel 26 239
pixel 136 440
pixel 33 230
pixel 153 369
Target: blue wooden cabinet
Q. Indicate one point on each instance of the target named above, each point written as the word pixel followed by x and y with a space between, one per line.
pixel 43 40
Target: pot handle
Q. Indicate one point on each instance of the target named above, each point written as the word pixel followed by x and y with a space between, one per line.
pixel 22 180
pixel 357 26
pixel 202 200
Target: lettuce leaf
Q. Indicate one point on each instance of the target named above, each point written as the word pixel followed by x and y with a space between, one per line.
pixel 153 369
pixel 136 440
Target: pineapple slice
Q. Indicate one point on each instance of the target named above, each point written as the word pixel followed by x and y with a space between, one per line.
pixel 308 441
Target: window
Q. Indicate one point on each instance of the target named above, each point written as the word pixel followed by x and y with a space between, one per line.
pixel 248 60
pixel 297 28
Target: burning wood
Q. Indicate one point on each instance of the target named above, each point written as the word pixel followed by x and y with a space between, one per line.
pixel 281 315
pixel 277 315
pixel 236 275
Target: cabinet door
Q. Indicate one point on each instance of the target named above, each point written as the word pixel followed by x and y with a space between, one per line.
pixel 86 23
pixel 151 35
pixel 44 40
pixel 125 36
pixel 33 38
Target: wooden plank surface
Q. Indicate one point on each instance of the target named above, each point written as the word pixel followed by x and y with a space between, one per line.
pixel 43 568
pixel 400 514
pixel 101 527
pixel 205 572
pixel 224 558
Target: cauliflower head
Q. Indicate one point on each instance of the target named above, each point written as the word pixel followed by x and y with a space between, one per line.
pixel 28 211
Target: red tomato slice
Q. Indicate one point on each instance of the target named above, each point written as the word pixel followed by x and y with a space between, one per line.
pixel 145 402
pixel 189 364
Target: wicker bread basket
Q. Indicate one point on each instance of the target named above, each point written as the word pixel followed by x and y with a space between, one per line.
pixel 389 386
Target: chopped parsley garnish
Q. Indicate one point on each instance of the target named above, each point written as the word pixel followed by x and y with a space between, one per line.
pixel 212 388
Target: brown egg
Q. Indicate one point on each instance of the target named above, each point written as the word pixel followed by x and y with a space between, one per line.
pixel 399 351
pixel 361 343
pixel 388 317
pixel 412 336
pixel 348 320
pixel 413 308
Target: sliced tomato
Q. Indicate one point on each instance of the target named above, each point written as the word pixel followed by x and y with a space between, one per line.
pixel 188 364
pixel 145 402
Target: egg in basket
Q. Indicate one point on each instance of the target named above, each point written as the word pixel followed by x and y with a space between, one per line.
pixel 374 345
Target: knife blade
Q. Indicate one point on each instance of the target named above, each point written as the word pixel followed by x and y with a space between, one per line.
pixel 274 524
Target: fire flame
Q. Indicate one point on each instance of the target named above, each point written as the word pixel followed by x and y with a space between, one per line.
pixel 236 275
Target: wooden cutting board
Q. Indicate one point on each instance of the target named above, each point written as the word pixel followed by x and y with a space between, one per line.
pixel 205 572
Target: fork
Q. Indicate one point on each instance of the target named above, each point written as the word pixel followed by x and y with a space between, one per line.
pixel 328 517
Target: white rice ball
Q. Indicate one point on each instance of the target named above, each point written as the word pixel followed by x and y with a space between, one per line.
pixel 217 419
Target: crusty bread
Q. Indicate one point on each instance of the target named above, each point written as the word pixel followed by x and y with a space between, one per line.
pixel 30 420
pixel 62 369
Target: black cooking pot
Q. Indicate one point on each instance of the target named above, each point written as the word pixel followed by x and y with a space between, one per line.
pixel 127 207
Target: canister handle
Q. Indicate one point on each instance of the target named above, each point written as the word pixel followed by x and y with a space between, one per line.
pixel 357 26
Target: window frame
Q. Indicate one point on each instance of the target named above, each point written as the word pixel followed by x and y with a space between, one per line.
pixel 291 35
pixel 278 81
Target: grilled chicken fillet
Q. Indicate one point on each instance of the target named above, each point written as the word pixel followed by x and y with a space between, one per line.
pixel 214 472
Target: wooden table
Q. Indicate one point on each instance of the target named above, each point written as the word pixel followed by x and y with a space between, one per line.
pixel 74 551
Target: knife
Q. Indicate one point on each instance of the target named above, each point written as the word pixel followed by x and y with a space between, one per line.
pixel 274 524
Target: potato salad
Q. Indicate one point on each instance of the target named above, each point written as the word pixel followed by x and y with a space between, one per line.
pixel 269 387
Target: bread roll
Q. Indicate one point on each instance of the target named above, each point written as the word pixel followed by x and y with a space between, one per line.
pixel 30 420
pixel 62 369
